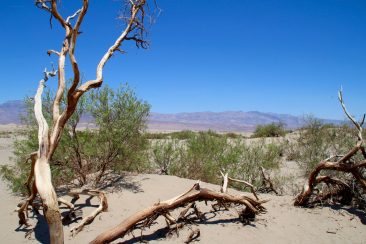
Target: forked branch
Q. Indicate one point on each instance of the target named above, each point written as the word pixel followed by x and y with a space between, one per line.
pixel 146 217
pixel 358 125
pixel 227 179
pixel 347 163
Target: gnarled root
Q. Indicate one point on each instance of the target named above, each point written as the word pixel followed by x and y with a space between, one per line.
pixel 103 206
pixel 347 164
pixel 267 185
pixel 344 164
pixel 147 217
pixel 32 192
pixel 72 214
pixel 193 236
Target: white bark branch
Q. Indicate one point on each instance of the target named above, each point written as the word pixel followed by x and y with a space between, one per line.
pixel 350 117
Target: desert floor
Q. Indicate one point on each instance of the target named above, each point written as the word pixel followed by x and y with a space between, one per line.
pixel 283 223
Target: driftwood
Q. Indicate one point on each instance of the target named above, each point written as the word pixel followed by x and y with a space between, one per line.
pixel 147 217
pixel 346 163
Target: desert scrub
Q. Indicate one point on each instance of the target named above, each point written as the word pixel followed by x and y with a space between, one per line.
pixel 318 141
pixel 187 134
pixel 248 158
pixel 5 134
pixel 164 154
pixel 204 155
pixel 179 135
pixel 116 144
pixel 270 130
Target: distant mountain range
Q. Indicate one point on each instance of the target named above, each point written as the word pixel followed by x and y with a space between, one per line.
pixel 11 111
pixel 236 121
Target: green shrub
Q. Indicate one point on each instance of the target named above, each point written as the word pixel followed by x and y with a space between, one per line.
pixel 204 155
pixel 270 130
pixel 117 144
pixel 318 141
pixel 179 135
pixel 187 134
pixel 233 135
pixel 165 154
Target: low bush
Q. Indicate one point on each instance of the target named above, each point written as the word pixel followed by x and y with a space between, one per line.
pixel 205 154
pixel 116 145
pixel 270 130
pixel 318 141
pixel 187 134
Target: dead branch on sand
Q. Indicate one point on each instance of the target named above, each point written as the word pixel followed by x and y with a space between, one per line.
pixel 146 218
pixel 346 164
pixel 103 206
pixel 267 185
pixel 72 214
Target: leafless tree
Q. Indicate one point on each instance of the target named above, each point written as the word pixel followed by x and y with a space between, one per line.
pixel 49 136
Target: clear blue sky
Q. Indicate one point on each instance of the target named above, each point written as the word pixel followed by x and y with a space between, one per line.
pixel 270 56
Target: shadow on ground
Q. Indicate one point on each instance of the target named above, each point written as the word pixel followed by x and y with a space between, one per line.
pixel 40 230
pixel 165 233
pixel 353 211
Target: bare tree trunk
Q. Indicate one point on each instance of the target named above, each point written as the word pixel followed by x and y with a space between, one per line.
pixel 42 171
pixel 48 195
pixel 49 139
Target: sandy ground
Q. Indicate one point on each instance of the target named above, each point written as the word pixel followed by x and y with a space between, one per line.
pixel 283 223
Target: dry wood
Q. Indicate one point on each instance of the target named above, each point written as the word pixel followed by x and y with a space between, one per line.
pixel 32 192
pixel 49 138
pixel 42 170
pixel 225 182
pixel 227 179
pixel 184 212
pixel 103 206
pixel 266 182
pixel 147 216
pixel 346 164
pixel 193 235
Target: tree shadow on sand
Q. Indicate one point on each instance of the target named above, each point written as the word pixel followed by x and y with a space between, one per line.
pixel 352 211
pixel 40 230
pixel 165 232
pixel 115 183
pixel 41 233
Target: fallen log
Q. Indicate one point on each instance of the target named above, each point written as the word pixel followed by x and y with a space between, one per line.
pixel 146 217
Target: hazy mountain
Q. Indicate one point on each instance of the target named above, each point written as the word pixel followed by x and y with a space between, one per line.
pixel 11 111
pixel 221 121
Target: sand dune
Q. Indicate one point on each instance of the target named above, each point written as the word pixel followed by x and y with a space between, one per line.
pixel 283 223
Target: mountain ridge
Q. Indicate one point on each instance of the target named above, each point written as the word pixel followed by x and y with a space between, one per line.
pixel 230 121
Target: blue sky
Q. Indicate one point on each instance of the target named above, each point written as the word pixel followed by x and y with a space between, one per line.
pixel 281 56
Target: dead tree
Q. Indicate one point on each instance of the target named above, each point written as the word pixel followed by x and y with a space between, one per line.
pixel 49 137
pixel 146 218
pixel 347 163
